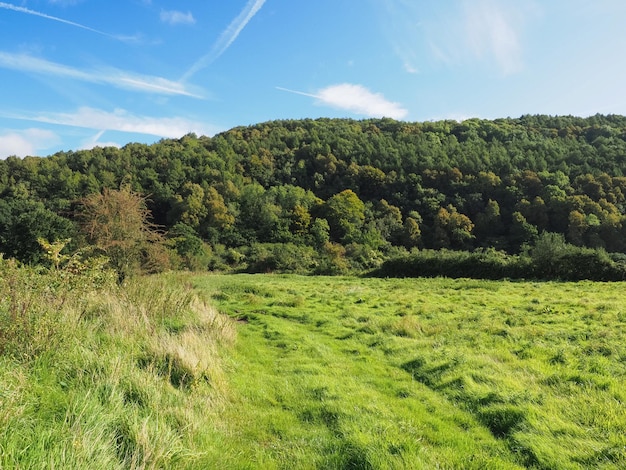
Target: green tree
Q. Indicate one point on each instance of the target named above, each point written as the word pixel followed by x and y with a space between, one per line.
pixel 193 252
pixel 190 208
pixel 23 222
pixel 320 232
pixel 412 235
pixel 387 219
pixel 452 229
pixel 345 213
pixel 489 223
pixel 521 232
pixel 219 217
pixel 577 228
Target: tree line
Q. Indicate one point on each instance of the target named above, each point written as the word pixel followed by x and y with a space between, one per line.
pixel 329 195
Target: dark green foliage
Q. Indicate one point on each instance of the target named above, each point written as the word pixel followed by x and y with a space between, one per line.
pixel 553 258
pixel 280 257
pixel 192 250
pixel 23 222
pixel 366 185
pixel 550 258
pixel 487 264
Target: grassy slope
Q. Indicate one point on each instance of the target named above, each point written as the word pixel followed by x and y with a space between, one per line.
pixel 107 378
pixel 372 373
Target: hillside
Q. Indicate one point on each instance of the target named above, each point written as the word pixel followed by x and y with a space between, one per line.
pixel 337 193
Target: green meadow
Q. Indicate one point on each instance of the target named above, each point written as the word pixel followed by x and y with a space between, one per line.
pixel 293 372
pixel 345 372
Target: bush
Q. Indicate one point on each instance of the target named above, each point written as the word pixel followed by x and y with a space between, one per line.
pixel 280 257
pixel 193 253
pixel 553 258
pixel 550 259
pixel 484 264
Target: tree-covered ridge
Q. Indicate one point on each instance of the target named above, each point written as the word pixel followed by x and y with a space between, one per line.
pixel 353 191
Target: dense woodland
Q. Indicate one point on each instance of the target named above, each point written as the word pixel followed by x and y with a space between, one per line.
pixel 329 195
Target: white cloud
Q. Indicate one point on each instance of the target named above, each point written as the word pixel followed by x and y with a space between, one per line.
pixel 122 120
pixel 109 76
pixel 26 142
pixel 357 99
pixel 227 37
pixel 177 17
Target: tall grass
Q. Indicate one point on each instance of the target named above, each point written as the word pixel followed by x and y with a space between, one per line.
pixel 107 376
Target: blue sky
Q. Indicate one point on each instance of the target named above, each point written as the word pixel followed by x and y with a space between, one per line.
pixel 76 74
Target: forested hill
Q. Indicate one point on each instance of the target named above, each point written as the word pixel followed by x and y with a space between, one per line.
pixel 358 191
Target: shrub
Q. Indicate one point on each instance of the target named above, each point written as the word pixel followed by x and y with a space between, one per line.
pixel 280 257
pixel 551 258
pixel 484 264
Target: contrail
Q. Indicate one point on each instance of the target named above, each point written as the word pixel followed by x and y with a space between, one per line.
pixel 107 76
pixel 297 92
pixel 227 37
pixel 8 6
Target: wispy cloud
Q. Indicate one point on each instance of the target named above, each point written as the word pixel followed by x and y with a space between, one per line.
pixel 177 17
pixel 357 99
pixel 26 142
pixel 401 23
pixel 9 6
pixel 488 32
pixel 492 30
pixel 227 37
pixel 108 76
pixel 123 121
pixel 94 141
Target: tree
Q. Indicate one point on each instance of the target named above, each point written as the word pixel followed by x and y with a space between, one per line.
pixel 193 252
pixel 190 208
pixel 521 232
pixel 452 229
pixel 219 216
pixel 23 222
pixel 387 220
pixel 345 213
pixel 412 235
pixel 117 222
pixel 320 233
pixel 577 228
pixel 489 223
pixel 300 220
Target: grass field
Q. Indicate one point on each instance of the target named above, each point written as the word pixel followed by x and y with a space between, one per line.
pixel 421 373
pixel 309 373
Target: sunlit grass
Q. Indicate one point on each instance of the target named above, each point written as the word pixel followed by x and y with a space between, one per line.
pixel 373 373
pixel 126 382
pixel 311 372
